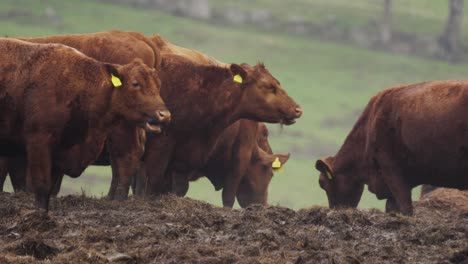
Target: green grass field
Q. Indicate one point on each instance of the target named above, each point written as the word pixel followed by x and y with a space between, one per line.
pixel 332 82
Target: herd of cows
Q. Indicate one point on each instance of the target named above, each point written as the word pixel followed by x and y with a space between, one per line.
pixel 163 115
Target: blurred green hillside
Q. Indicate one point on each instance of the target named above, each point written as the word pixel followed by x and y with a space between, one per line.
pixel 410 16
pixel 332 81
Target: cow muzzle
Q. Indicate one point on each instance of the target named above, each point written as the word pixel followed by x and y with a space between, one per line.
pixel 154 124
pixel 163 116
pixel 291 119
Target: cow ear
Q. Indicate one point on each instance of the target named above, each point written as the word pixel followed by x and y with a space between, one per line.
pixel 325 168
pixel 114 75
pixel 283 158
pixel 279 161
pixel 238 73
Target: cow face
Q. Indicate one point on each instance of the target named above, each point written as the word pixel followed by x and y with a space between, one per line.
pixel 136 97
pixel 343 188
pixel 263 97
pixel 254 187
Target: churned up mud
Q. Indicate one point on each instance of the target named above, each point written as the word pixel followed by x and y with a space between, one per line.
pixel 79 229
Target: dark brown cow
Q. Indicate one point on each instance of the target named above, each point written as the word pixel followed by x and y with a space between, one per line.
pixel 204 100
pixel 126 141
pixel 57 106
pixel 406 136
pixel 255 164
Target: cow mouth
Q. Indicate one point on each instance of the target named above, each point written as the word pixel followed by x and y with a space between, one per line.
pixel 288 121
pixel 153 128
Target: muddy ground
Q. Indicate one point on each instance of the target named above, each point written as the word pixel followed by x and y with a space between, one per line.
pixel 173 230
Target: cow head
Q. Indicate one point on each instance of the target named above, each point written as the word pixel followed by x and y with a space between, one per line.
pixel 254 186
pixel 136 95
pixel 343 188
pixel 263 97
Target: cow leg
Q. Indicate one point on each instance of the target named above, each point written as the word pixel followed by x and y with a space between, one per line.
pixel 3 171
pixel 57 178
pixel 39 165
pixel 180 183
pixel 17 170
pixel 158 154
pixel 234 176
pixel 391 205
pixel 425 189
pixel 125 156
pixel 138 185
pixel 401 192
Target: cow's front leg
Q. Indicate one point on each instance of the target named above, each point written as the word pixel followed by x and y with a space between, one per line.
pixel 126 146
pixel 17 170
pixel 38 172
pixel 401 193
pixel 234 178
pixel 57 178
pixel 3 171
pixel 391 205
pixel 180 183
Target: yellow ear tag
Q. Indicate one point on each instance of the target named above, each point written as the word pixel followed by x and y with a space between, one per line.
pixel 115 81
pixel 237 78
pixel 276 164
pixel 280 169
pixel 330 177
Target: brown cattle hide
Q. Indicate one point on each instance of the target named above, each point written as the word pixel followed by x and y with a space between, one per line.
pixel 407 135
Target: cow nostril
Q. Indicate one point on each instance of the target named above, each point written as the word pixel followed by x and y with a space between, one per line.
pixel 298 111
pixel 164 115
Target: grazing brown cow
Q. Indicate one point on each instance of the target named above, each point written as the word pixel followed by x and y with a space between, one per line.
pixel 58 105
pixel 126 142
pixel 238 148
pixel 406 136
pixel 205 100
pixel 255 165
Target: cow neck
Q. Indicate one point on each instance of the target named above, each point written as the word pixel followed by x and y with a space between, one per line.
pixel 351 155
pixel 211 106
pixel 99 105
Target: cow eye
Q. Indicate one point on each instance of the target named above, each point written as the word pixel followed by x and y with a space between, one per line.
pixel 135 84
pixel 271 88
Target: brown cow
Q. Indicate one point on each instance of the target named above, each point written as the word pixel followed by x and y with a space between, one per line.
pixel 256 163
pixel 58 105
pixel 126 141
pixel 406 136
pixel 205 100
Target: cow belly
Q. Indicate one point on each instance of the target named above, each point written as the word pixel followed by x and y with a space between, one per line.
pixel 76 159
